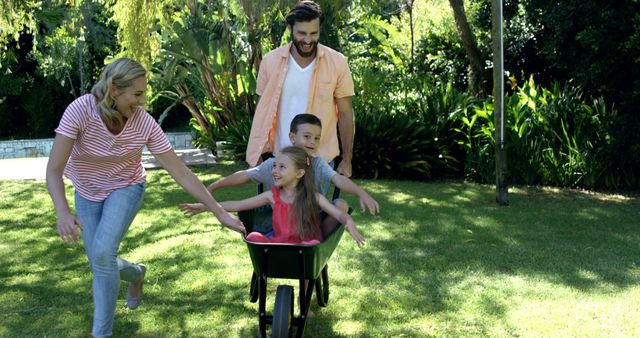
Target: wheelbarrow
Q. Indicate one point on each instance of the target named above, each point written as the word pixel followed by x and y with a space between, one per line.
pixel 287 261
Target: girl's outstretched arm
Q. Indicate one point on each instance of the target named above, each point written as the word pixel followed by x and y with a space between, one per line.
pixel 249 203
pixel 192 209
pixel 342 217
pixel 348 186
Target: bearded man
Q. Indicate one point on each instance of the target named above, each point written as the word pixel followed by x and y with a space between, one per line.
pixel 304 76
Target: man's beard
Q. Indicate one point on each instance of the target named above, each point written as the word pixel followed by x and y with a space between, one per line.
pixel 314 46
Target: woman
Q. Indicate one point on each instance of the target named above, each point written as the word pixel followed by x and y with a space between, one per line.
pixel 98 145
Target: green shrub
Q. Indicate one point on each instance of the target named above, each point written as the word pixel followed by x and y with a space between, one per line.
pixel 236 136
pixel 207 133
pixel 475 136
pixel 30 106
pixel 388 146
pixel 615 159
pixel 553 137
pixel 440 105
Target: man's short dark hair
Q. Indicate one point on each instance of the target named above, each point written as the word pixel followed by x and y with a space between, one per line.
pixel 304 119
pixel 304 11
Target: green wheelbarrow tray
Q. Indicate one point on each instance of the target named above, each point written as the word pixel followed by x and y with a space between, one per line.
pixel 282 259
pixel 288 261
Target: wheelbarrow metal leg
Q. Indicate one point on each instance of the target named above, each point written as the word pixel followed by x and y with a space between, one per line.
pixel 262 311
pixel 305 296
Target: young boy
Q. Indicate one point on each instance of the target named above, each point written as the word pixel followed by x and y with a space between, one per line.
pixel 304 133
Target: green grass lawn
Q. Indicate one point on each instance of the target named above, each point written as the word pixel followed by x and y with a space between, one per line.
pixel 442 259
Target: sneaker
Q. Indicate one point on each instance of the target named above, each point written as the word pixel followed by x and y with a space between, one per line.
pixel 134 294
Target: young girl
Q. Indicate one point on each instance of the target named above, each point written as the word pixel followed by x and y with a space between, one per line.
pixel 295 203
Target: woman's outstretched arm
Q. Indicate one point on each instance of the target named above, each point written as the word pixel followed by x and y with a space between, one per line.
pixel 185 177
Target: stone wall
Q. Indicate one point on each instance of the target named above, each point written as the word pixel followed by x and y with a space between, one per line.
pixel 42 147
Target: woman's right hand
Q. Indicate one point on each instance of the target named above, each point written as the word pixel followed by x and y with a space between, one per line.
pixel 68 226
pixel 232 222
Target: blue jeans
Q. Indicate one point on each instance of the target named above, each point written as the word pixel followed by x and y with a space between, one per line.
pixel 104 226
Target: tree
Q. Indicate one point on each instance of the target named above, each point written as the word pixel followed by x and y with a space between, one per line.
pixel 478 78
pixel 264 21
pixel 408 6
pixel 16 17
pixel 47 56
pixel 135 19
pixel 205 65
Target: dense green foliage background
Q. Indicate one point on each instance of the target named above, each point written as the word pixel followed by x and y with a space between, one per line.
pixel 421 113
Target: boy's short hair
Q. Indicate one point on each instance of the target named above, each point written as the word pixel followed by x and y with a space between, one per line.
pixel 304 119
pixel 304 11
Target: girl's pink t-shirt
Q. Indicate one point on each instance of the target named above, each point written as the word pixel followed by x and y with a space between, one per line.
pixel 101 162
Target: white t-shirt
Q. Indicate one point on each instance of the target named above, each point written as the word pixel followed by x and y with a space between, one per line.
pixel 293 100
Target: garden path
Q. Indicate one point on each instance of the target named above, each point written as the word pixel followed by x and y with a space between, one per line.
pixel 34 168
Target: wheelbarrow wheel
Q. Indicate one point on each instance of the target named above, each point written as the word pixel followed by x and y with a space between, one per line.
pixel 253 288
pixel 282 312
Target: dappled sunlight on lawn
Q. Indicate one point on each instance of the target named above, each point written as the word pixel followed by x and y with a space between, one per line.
pixel 579 316
pixel 431 230
pixel 442 259
pixel 560 193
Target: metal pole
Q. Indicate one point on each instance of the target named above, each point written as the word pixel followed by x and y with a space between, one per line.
pixel 498 94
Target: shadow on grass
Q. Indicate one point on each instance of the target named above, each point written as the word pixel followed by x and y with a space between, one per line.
pixel 35 275
pixel 460 231
pixel 423 248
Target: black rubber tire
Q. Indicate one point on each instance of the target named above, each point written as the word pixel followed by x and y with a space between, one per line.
pixel 254 290
pixel 282 312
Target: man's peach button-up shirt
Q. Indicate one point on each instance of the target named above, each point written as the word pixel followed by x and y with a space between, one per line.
pixel 331 80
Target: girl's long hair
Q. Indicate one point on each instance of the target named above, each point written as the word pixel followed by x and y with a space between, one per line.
pixel 305 211
pixel 118 74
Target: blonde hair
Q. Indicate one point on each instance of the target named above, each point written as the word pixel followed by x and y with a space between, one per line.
pixel 119 74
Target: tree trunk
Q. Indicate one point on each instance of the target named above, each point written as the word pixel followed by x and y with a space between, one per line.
pixel 477 77
pixel 409 6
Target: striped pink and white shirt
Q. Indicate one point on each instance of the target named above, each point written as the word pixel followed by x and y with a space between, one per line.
pixel 101 162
